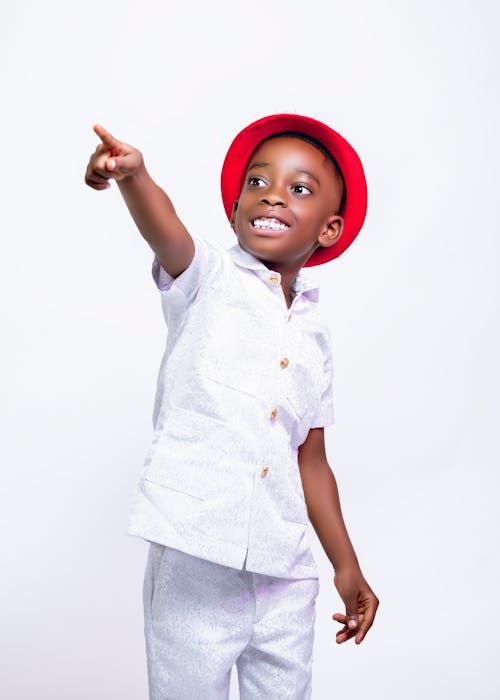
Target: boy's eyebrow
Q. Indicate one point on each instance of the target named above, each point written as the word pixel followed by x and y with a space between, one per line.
pixel 311 175
pixel 298 170
pixel 258 165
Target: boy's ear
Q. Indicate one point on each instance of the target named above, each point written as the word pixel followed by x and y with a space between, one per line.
pixel 233 215
pixel 331 232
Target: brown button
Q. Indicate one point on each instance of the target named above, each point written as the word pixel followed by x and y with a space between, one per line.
pixel 264 471
pixel 289 317
pixel 284 362
pixel 273 280
pixel 274 413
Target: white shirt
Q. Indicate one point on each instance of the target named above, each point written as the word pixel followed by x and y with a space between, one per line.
pixel 242 380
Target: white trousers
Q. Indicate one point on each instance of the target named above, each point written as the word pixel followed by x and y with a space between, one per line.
pixel 200 618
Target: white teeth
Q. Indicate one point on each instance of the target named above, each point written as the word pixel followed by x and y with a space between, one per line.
pixel 269 224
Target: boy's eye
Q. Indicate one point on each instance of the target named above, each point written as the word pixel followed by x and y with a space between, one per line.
pixel 301 189
pixel 256 181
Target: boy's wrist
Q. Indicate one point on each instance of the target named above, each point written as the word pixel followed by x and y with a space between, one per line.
pixel 348 563
pixel 138 175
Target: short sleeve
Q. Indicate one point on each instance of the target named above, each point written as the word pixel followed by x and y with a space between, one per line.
pixel 177 293
pixel 324 414
pixel 189 281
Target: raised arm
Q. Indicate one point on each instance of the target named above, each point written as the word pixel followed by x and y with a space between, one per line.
pixel 149 205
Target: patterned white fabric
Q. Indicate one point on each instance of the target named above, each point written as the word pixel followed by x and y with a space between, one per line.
pixel 242 380
pixel 201 619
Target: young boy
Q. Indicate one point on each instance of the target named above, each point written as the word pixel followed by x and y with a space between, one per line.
pixel 237 466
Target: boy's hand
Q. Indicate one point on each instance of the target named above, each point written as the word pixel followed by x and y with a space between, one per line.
pixel 112 159
pixel 361 605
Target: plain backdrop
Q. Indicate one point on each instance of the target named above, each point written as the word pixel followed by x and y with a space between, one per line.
pixel 413 309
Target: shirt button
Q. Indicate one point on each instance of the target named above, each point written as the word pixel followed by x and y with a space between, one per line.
pixel 284 362
pixel 273 280
pixel 274 413
pixel 264 471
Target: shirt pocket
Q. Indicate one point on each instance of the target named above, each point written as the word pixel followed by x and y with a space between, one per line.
pixel 186 455
pixel 231 350
pixel 176 484
pixel 178 459
pixel 177 501
pixel 179 479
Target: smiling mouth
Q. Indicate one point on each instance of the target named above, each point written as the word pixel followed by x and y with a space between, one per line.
pixel 266 223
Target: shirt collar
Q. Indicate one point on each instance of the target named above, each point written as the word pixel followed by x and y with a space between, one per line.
pixel 301 284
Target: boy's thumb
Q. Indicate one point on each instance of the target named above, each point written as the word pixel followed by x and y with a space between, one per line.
pixel 352 618
pixel 117 164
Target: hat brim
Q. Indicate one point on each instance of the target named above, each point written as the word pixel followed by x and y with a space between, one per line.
pixel 355 198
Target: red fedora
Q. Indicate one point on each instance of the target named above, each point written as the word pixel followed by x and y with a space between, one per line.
pixel 355 198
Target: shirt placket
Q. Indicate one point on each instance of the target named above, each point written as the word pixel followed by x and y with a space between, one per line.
pixel 273 279
pixel 270 475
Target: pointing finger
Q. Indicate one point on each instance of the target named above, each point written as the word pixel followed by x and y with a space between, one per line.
pixel 107 139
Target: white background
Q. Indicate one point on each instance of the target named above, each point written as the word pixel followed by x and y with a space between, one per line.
pixel 412 307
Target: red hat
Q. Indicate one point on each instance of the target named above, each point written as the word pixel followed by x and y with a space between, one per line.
pixel 355 199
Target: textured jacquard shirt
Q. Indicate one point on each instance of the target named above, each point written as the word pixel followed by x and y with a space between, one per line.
pixel 242 380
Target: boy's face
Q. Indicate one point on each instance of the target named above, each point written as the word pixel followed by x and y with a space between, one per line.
pixel 288 202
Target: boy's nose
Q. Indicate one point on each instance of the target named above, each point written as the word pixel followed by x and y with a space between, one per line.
pixel 273 200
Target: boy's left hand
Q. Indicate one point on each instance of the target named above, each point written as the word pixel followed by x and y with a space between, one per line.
pixel 361 604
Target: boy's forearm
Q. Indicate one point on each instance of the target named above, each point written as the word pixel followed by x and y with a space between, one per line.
pixel 152 211
pixel 325 514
